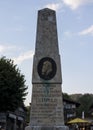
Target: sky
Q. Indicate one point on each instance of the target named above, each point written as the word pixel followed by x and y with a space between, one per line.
pixel 18 23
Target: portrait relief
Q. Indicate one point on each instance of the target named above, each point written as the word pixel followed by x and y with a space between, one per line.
pixel 46 68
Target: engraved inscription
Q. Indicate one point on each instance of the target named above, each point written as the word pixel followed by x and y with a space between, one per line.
pixel 47 103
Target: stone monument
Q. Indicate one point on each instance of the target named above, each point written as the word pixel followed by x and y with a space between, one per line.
pixel 47 103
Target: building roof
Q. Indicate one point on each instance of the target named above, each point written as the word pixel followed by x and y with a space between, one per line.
pixel 71 102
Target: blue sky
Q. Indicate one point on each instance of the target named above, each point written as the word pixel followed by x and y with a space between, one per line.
pixel 18 22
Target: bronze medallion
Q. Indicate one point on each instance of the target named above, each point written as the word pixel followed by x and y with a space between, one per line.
pixel 46 68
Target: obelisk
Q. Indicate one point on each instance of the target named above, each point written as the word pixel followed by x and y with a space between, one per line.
pixel 47 102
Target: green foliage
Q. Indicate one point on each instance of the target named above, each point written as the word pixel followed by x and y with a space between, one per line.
pixel 28 113
pixel 12 85
pixel 66 96
pixel 86 101
pixel 75 97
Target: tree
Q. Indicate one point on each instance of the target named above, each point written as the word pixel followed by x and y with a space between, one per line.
pixel 86 101
pixel 66 96
pixel 28 113
pixel 12 86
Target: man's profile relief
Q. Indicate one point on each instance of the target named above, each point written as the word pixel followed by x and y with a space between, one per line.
pixel 46 68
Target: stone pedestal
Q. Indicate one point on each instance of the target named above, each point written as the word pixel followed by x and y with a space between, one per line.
pixel 47 128
pixel 47 102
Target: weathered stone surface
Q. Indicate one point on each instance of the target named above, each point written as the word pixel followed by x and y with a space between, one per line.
pixel 47 102
pixel 47 105
pixel 46 128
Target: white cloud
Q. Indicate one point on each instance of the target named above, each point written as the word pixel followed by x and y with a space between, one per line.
pixel 54 6
pixel 4 48
pixel 68 34
pixel 16 29
pixel 1 48
pixel 23 57
pixel 87 31
pixel 74 4
pixel 17 18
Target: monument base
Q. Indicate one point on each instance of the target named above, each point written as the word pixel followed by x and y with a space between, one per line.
pixel 47 128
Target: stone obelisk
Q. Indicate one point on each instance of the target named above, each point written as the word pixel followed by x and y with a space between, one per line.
pixel 47 103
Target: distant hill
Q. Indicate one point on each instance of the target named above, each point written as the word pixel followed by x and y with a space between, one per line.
pixel 75 97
